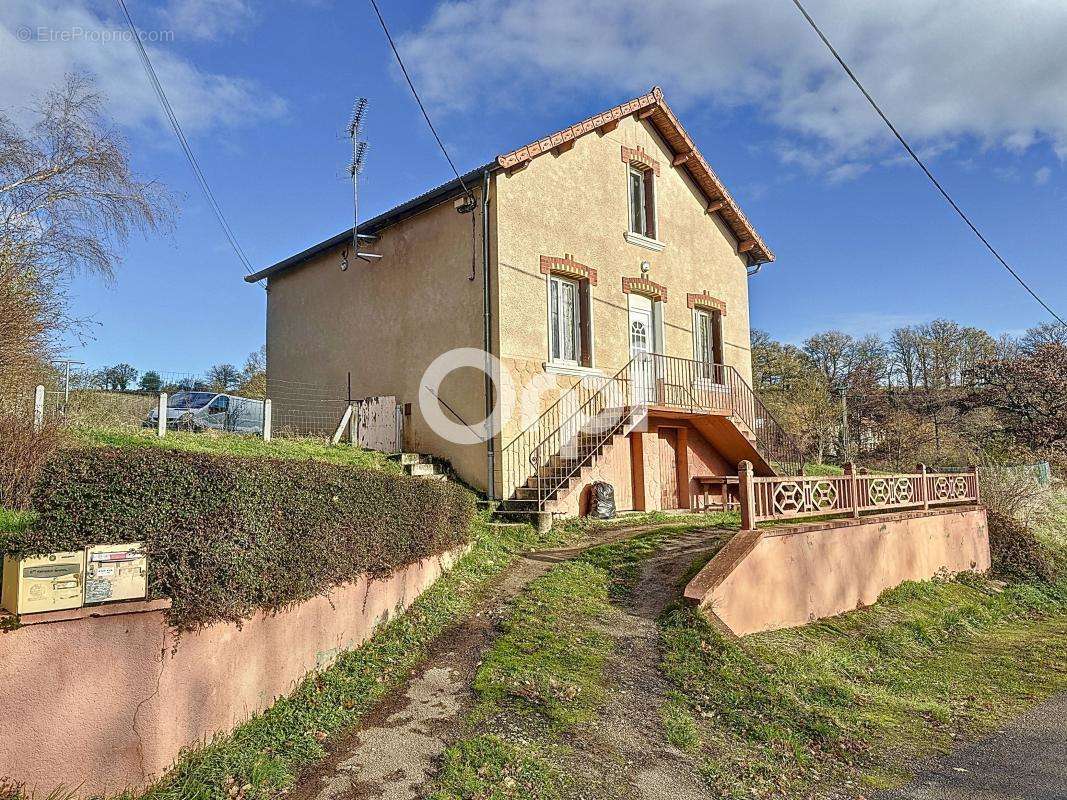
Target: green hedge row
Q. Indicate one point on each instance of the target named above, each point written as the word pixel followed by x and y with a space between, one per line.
pixel 228 536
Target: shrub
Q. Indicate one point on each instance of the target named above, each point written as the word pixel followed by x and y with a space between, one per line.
pixel 1016 503
pixel 23 452
pixel 227 536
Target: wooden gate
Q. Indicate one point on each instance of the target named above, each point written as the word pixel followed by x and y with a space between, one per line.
pixel 374 423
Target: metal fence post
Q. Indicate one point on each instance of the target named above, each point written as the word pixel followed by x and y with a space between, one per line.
pixel 748 498
pixel 266 420
pixel 38 408
pixel 850 470
pixel 977 486
pixel 161 416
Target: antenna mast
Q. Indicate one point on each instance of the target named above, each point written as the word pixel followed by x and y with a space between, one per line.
pixel 359 155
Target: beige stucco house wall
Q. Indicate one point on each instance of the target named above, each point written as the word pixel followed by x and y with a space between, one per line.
pixel 577 204
pixel 384 321
pixel 563 199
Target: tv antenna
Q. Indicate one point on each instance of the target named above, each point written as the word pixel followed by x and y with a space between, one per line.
pixel 359 157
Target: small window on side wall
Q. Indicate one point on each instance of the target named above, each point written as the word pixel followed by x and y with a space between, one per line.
pixel 642 202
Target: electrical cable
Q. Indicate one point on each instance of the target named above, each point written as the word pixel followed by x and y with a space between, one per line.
pixel 922 166
pixel 418 100
pixel 146 62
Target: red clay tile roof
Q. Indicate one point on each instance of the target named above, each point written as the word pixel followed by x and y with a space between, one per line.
pixel 654 108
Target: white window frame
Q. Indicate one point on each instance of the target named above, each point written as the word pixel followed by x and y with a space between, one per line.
pixel 553 358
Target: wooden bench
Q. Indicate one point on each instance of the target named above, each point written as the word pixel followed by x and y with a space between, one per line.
pixel 718 491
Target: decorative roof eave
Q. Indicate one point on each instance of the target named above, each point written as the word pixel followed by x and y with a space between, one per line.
pixel 654 108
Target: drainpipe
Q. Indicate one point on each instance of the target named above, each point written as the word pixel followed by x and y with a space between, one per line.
pixel 754 268
pixel 487 340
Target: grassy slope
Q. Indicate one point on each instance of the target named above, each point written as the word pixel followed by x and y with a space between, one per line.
pixel 547 669
pixel 265 754
pixel 237 445
pixel 849 701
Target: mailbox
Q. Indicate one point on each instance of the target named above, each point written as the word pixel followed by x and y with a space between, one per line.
pixel 115 572
pixel 43 583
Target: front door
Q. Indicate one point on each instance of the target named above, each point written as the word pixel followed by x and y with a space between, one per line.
pixel 668 467
pixel 642 344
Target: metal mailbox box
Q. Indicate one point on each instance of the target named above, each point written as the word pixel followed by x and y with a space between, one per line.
pixel 115 572
pixel 43 583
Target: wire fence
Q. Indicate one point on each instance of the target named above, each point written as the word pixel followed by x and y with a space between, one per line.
pixel 306 409
pixel 93 399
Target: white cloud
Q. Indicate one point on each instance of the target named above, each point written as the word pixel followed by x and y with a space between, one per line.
pixel 944 70
pixel 41 40
pixel 1042 176
pixel 207 19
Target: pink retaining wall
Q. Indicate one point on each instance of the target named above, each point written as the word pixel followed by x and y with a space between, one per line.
pixel 81 705
pixel 782 577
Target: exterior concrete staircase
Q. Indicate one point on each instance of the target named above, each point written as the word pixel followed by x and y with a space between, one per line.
pixel 556 453
pixel 420 465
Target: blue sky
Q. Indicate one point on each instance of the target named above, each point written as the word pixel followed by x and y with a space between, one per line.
pixel 863 243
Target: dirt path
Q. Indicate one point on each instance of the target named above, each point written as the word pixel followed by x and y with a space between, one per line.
pixel 631 757
pixel 395 750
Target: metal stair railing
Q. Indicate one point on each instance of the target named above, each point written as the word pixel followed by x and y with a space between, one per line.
pixel 566 437
pixel 702 387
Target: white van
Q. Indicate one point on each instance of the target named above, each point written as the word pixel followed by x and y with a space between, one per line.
pixel 198 411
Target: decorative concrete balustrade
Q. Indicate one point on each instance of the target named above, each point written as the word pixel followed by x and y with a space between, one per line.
pixel 789 497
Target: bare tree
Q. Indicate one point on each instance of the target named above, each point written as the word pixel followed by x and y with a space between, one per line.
pixel 254 374
pixel 68 201
pixel 1047 333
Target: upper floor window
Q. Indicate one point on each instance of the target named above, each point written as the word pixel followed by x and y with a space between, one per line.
pixel 642 202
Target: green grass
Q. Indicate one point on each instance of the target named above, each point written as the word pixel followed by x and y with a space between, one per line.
pixel 549 659
pixel 547 669
pixel 268 751
pixel 586 526
pixel 237 445
pixel 16 521
pixel 823 469
pixel 487 767
pixel 850 702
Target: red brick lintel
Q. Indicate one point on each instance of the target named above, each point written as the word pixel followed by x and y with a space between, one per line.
pixel 567 266
pixel 639 156
pixel 657 291
pixel 706 301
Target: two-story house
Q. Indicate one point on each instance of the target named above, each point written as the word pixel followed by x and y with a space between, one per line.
pixel 605 270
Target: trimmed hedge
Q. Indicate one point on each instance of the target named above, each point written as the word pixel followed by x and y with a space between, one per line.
pixel 228 536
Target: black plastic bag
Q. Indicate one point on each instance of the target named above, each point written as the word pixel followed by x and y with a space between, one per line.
pixel 602 500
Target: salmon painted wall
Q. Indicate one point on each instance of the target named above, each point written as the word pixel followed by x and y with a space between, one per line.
pixel 89 703
pixel 788 576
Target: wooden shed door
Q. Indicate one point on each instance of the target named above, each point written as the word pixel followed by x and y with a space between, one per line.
pixel 668 467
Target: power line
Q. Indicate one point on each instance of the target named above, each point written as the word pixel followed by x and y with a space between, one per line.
pixel 418 99
pixel 922 166
pixel 146 62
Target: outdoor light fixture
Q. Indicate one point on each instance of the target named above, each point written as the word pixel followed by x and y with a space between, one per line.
pixel 645 267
